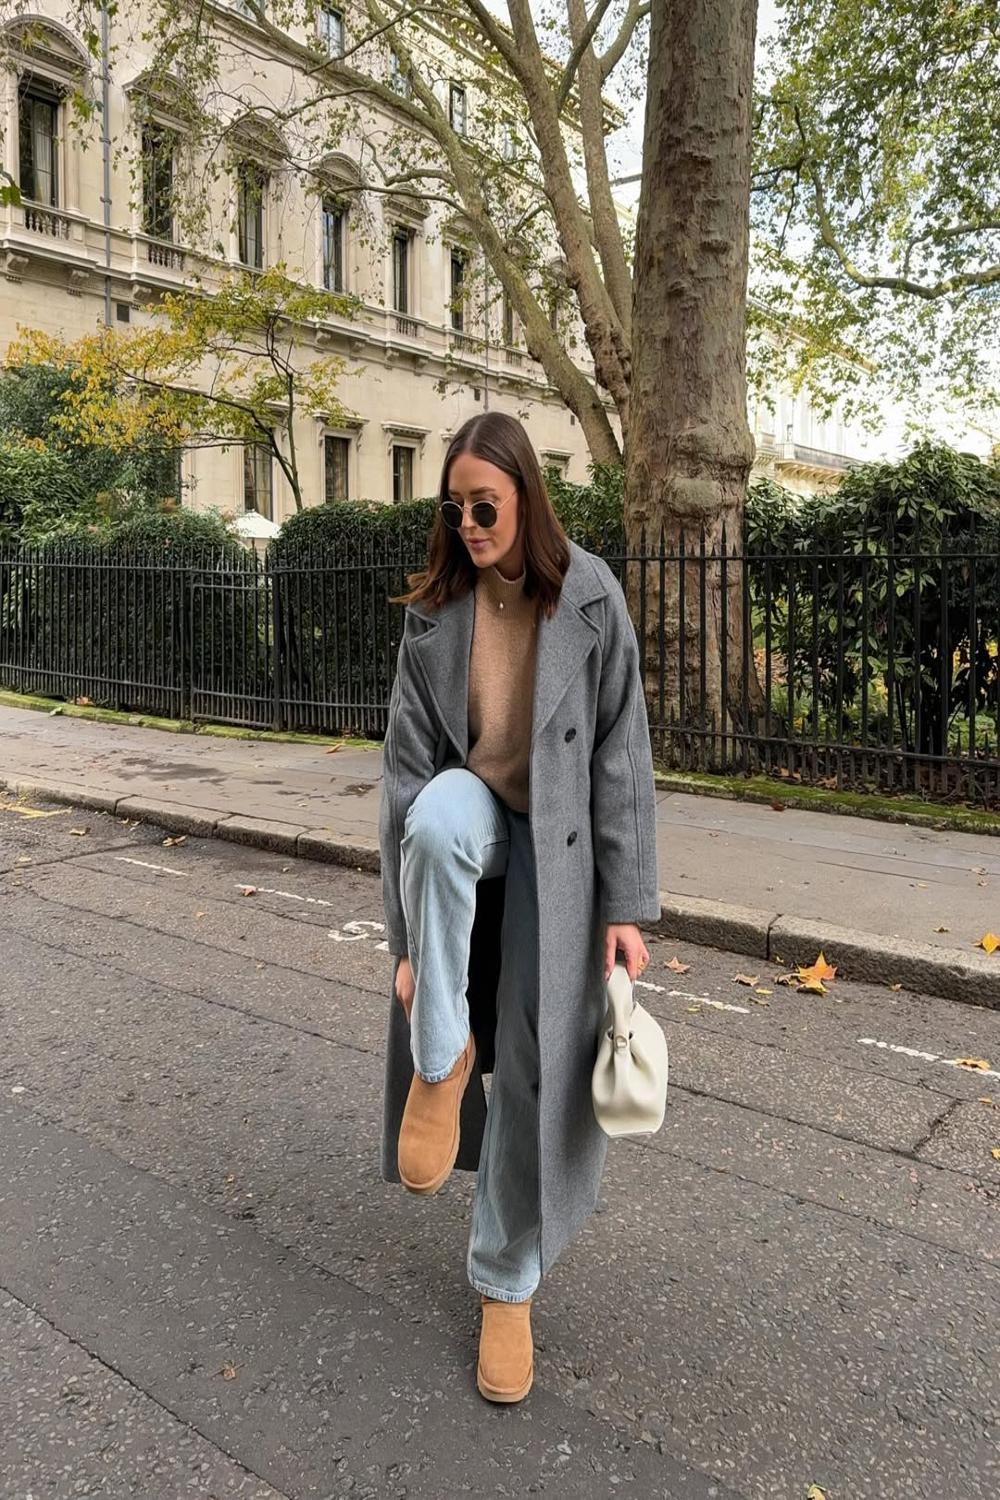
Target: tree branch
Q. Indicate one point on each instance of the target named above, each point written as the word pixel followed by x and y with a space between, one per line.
pixel 616 51
pixel 580 47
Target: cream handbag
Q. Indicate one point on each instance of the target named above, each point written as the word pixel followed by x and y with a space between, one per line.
pixel 629 1083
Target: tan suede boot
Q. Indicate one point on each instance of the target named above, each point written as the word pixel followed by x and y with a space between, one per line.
pixel 506 1352
pixel 429 1131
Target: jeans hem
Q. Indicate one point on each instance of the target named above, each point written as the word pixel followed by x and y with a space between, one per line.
pixel 439 1077
pixel 497 1294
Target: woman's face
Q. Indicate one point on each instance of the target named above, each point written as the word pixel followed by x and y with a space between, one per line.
pixel 471 479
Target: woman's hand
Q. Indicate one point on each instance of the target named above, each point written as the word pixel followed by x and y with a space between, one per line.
pixel 405 985
pixel 625 935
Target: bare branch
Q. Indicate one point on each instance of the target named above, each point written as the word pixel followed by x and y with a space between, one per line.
pixel 616 51
pixel 580 47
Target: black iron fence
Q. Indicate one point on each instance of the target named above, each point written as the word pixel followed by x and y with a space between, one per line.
pixel 855 666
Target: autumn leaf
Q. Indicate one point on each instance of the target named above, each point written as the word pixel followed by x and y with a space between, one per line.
pixel 747 979
pixel 676 966
pixel 761 990
pixel 788 979
pixel 173 841
pixel 974 1064
pixel 819 971
pixel 813 987
pixel 989 941
pixel 694 1010
pixel 79 833
pixel 815 1493
pixel 895 986
pixel 248 890
pixel 995 1153
pixel 228 1372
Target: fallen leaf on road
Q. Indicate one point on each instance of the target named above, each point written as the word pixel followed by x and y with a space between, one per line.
pixel 813 987
pixel 748 979
pixel 762 991
pixel 942 929
pixel 332 750
pixel 199 914
pixel 819 971
pixel 974 1064
pixel 995 1153
pixel 982 882
pixel 248 890
pixel 777 807
pixel 815 1493
pixel 676 966
pixel 53 712
pixel 989 941
pixel 79 833
pixel 174 840
pixel 988 1099
pixel 693 1010
pixel 757 1000
pixel 228 1372
pixel 788 979
pixel 895 986
pixel 82 702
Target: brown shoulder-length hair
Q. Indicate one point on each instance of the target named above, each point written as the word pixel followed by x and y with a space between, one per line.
pixel 501 440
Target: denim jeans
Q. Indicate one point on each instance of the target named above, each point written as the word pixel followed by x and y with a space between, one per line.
pixel 458 831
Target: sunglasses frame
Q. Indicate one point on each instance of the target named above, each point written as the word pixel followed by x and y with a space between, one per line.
pixel 463 503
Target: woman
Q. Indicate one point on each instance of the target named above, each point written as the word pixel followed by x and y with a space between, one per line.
pixel 517 833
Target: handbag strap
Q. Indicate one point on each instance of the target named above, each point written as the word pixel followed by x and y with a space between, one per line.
pixel 621 1001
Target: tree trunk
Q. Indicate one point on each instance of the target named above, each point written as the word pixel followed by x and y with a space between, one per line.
pixel 690 448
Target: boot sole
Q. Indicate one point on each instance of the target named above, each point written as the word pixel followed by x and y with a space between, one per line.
pixel 492 1394
pixel 425 1189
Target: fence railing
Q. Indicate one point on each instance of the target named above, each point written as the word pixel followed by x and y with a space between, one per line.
pixel 854 665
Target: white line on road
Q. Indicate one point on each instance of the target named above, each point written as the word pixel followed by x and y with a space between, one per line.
pixel 646 984
pixel 947 1062
pixel 163 869
pixel 266 890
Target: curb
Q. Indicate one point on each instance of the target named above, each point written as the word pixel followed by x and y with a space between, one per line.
pixel 949 973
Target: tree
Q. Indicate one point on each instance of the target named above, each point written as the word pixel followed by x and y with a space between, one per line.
pixel 232 367
pixel 876 199
pixel 690 447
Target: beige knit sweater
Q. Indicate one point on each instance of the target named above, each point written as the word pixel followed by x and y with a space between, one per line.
pixel 501 685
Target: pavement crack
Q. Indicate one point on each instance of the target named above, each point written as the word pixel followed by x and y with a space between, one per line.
pixel 933 1129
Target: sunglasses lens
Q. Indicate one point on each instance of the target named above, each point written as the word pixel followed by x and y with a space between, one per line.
pixel 484 513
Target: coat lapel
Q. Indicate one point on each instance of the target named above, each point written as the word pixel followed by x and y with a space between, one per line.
pixel 564 641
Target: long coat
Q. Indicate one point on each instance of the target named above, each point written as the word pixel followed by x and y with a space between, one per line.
pixel 592 820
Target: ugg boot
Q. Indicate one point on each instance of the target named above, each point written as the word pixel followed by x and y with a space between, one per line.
pixel 506 1352
pixel 429 1131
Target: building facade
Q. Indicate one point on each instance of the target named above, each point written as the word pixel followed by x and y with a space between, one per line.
pixel 423 351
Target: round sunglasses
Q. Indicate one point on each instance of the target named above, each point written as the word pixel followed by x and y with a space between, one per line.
pixel 484 512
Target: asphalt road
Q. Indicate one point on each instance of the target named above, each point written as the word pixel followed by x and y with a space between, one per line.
pixel 206 1290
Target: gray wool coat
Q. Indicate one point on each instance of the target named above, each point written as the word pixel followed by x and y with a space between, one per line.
pixel 592 820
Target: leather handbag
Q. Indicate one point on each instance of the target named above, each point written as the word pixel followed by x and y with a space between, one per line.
pixel 629 1082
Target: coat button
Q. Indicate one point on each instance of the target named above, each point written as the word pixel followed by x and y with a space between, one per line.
pixel 570 735
pixel 572 837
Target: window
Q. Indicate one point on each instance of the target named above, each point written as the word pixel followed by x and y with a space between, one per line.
pixel 333 245
pixel 555 308
pixel 402 472
pixel 458 109
pixel 251 182
pixel 401 241
pixel 398 78
pixel 257 489
pixel 331 30
pixel 38 143
pixel 336 456
pixel 157 183
pixel 457 303
pixel 507 315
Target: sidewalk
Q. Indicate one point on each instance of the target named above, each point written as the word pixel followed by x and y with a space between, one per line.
pixel 886 902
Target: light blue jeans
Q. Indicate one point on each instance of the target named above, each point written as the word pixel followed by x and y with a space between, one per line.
pixel 458 831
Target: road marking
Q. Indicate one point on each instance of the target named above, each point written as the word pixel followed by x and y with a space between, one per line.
pixel 947 1062
pixel 33 812
pixel 163 869
pixel 646 984
pixel 266 890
